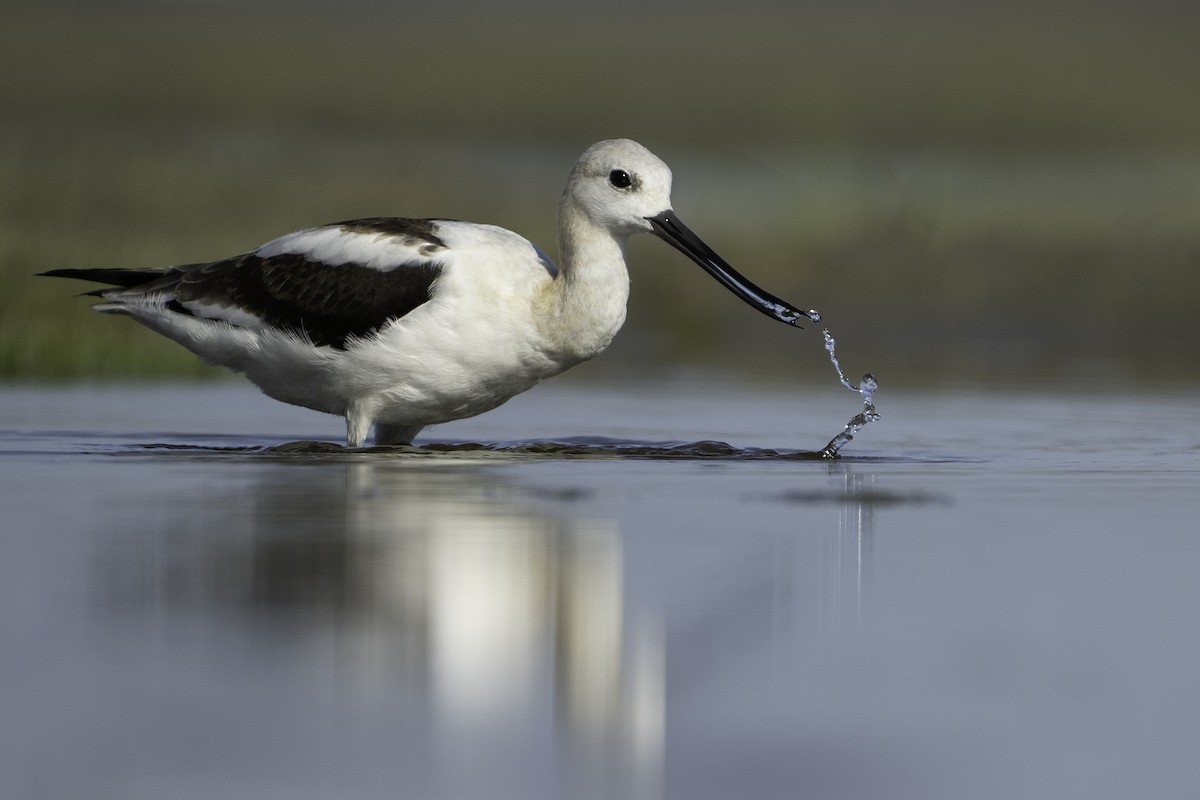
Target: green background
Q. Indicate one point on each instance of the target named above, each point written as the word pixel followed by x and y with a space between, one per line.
pixel 968 192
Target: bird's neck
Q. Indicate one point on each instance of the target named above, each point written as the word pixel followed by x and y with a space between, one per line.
pixel 592 289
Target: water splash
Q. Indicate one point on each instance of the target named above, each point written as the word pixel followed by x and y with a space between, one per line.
pixel 866 387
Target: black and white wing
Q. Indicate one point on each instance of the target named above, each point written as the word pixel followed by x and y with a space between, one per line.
pixel 330 284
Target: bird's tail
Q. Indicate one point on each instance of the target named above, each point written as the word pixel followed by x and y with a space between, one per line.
pixel 115 278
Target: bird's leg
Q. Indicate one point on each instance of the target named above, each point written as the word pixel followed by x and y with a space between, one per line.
pixel 358 423
pixel 395 434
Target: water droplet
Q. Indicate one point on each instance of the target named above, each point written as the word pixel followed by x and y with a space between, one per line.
pixel 813 315
pixel 867 387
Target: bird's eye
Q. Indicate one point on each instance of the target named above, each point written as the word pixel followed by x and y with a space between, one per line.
pixel 620 179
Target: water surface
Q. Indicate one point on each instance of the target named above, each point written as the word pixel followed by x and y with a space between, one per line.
pixel 645 591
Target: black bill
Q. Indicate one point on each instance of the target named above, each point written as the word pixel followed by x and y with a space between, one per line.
pixel 675 233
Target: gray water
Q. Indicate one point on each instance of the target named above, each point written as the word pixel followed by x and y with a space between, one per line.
pixel 643 591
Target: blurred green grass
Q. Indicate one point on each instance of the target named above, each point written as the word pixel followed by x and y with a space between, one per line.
pixel 983 192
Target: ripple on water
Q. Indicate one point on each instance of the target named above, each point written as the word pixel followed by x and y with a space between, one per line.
pixel 226 447
pixel 596 448
pixel 560 448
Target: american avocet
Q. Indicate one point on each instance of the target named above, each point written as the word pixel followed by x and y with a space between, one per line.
pixel 403 323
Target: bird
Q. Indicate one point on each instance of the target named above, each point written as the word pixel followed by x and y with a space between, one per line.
pixel 398 323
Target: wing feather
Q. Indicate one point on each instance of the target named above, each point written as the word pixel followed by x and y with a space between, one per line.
pixel 330 284
pixel 328 304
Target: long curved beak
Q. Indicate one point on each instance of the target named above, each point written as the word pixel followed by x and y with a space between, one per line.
pixel 669 228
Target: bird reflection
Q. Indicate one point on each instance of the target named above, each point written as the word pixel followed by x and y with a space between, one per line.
pixel 504 614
